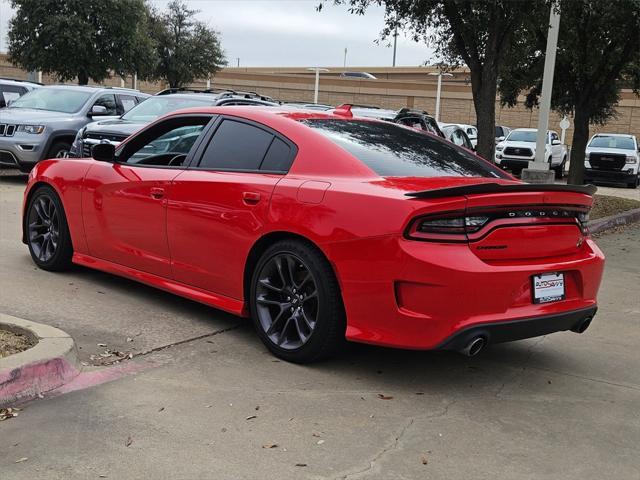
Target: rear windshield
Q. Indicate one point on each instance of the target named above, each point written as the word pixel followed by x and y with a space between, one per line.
pixel 602 141
pixel 393 151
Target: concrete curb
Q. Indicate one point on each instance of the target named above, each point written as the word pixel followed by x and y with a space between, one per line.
pixel 52 362
pixel 605 223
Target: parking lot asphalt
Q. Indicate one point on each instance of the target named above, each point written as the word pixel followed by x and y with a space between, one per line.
pixel 219 406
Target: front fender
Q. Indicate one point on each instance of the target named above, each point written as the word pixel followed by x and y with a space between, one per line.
pixel 66 177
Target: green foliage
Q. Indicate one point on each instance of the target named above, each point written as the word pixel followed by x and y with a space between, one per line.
pixel 598 54
pixel 186 49
pixel 478 33
pixel 83 39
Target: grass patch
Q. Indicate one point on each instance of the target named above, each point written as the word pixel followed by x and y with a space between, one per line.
pixel 605 205
pixel 11 343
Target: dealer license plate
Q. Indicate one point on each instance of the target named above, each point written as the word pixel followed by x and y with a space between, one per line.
pixel 548 287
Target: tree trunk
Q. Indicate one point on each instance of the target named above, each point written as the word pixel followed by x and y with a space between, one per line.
pixel 578 146
pixel 484 87
pixel 83 78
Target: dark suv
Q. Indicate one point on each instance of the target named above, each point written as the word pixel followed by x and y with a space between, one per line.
pixel 167 101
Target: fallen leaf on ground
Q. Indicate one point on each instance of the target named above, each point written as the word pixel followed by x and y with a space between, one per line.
pixel 319 442
pixel 7 413
pixel 102 344
pixel 270 445
pixel 384 397
pixel 128 442
pixel 314 434
pixel 257 407
pixel 129 339
pixel 251 417
pixel 301 464
pixel 424 460
pixel 23 459
pixel 161 409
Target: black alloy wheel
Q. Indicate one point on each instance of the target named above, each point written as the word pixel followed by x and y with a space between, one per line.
pixel 47 232
pixel 296 304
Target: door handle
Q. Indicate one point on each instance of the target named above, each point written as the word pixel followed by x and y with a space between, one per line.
pixel 250 198
pixel 157 193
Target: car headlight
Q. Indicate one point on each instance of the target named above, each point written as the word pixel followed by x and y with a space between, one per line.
pixel 631 159
pixel 499 148
pixel 35 129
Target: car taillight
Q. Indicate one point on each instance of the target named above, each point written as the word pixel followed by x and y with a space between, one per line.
pixel 446 228
pixel 457 227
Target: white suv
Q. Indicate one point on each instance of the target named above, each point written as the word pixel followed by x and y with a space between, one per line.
pixel 519 148
pixel 612 157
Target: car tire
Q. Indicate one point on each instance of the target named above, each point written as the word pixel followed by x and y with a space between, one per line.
pixel 47 231
pixel 59 150
pixel 560 169
pixel 295 303
pixel 634 184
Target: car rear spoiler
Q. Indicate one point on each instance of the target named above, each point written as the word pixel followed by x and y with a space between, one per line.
pixel 501 188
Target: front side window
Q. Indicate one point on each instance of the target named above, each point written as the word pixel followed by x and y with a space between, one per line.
pixel 393 151
pixel 109 102
pixel 65 100
pixel 167 144
pixel 236 146
pixel 128 102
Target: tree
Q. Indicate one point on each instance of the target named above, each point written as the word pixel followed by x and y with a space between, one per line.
pixel 478 33
pixel 186 48
pixel 83 39
pixel 598 53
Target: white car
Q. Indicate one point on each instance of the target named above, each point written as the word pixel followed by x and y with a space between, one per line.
pixel 519 148
pixel 614 158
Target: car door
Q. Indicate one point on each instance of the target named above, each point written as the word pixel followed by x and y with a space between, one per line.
pixel 218 207
pixel 124 202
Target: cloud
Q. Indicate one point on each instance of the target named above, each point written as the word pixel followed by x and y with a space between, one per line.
pixel 290 33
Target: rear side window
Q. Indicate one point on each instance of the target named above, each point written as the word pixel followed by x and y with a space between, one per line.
pixel 128 102
pixel 394 151
pixel 236 146
pixel 278 157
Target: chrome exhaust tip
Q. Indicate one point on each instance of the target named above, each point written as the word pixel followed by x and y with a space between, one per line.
pixel 582 326
pixel 474 347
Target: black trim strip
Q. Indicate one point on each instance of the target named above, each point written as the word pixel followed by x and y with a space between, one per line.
pixel 501 188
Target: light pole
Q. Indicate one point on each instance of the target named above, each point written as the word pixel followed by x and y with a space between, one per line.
pixel 439 75
pixel 395 45
pixel 538 170
pixel 317 70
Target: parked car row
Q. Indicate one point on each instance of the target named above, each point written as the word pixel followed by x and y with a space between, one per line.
pixel 58 121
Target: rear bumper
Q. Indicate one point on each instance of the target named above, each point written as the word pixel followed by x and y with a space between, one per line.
pixel 609 176
pixel 500 332
pixel 421 295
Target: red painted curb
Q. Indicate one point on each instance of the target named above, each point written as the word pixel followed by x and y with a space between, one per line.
pixel 30 380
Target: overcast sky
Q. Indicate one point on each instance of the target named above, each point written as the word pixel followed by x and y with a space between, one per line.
pixel 270 33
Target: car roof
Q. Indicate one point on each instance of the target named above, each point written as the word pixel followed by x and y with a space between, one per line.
pixel 94 88
pixel 14 81
pixel 625 135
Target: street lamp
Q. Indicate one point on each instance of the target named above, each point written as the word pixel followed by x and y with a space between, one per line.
pixel 439 75
pixel 317 70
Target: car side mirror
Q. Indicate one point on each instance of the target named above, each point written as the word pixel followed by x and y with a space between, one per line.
pixel 555 142
pixel 98 111
pixel 104 152
pixel 500 139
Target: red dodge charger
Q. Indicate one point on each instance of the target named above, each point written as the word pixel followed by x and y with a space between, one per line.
pixel 323 227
